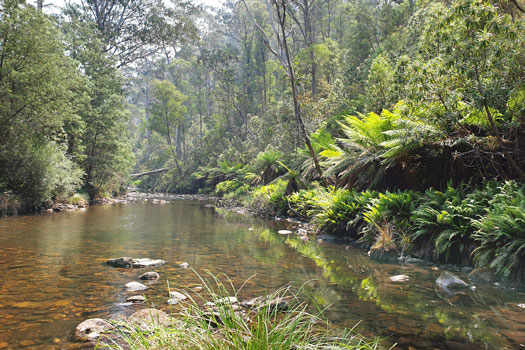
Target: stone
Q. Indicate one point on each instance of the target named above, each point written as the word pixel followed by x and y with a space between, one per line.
pixel 399 278
pixel 273 304
pixel 284 232
pixel 91 329
pixel 135 286
pixel 184 265
pixel 197 289
pixel 146 319
pixel 482 275
pixel 176 297
pixel 136 299
pixel 127 262
pixel 227 300
pixel 150 275
pixel 448 282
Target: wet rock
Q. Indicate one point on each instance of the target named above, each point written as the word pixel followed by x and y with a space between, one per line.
pixel 262 302
pixel 146 319
pixel 482 275
pixel 227 300
pixel 127 262
pixel 91 329
pixel 135 286
pixel 176 297
pixel 399 278
pixel 150 275
pixel 136 299
pixel 184 265
pixel 284 232
pixel 448 282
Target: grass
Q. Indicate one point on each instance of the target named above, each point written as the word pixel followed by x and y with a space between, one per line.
pixel 231 326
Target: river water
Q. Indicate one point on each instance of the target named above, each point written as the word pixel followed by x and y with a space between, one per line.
pixel 53 276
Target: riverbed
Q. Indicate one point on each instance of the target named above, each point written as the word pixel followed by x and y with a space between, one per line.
pixel 54 276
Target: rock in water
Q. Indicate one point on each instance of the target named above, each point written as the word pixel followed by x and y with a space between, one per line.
pixel 262 302
pixel 91 329
pixel 151 275
pixel 127 262
pixel 184 265
pixel 284 232
pixel 176 297
pixel 449 281
pixel 147 319
pixel 135 286
pixel 399 278
pixel 136 299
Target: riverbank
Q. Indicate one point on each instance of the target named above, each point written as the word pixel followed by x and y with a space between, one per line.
pixel 478 227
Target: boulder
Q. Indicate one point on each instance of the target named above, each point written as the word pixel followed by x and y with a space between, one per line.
pixel 91 329
pixel 150 275
pixel 147 319
pixel 135 286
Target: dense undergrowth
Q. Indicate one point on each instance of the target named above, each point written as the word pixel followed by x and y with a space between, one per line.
pixel 482 226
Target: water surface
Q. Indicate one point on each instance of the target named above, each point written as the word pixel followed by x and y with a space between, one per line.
pixel 54 276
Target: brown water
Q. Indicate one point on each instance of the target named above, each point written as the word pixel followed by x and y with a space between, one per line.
pixel 53 276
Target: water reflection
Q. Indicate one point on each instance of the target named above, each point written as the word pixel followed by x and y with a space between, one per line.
pixel 54 276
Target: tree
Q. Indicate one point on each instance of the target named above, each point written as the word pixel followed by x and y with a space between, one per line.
pixel 167 111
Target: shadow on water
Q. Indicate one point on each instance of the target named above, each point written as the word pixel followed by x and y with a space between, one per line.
pixel 54 276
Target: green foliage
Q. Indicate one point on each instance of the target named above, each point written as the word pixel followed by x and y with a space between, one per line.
pixel 270 199
pixel 500 232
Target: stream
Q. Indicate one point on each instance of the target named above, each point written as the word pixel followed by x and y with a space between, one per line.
pixel 54 276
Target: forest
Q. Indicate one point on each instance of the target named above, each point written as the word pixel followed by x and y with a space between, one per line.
pixel 397 123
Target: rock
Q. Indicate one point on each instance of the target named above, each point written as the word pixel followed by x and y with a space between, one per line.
pixel 227 300
pixel 146 319
pixel 136 299
pixel 399 278
pixel 482 275
pixel 91 329
pixel 273 304
pixel 176 297
pixel 184 265
pixel 197 289
pixel 448 281
pixel 127 262
pixel 284 232
pixel 302 232
pixel 135 286
pixel 150 275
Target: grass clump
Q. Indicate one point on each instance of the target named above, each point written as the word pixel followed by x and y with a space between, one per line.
pixel 271 323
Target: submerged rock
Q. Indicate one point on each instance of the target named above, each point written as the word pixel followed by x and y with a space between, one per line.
pixel 135 286
pixel 127 262
pixel 448 281
pixel 91 329
pixel 150 275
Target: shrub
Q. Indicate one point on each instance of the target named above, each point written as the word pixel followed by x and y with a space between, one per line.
pixel 227 186
pixel 501 232
pixel 270 199
pixel 342 211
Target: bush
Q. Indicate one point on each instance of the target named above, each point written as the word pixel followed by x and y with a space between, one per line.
pixel 227 186
pixel 501 232
pixel 270 199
